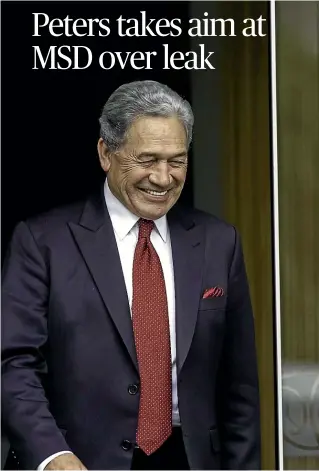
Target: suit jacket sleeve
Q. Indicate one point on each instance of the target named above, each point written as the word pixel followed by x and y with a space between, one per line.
pixel 31 428
pixel 239 395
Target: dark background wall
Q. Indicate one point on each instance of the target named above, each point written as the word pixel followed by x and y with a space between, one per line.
pixel 50 117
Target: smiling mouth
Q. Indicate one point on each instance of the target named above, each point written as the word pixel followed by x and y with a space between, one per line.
pixel 154 193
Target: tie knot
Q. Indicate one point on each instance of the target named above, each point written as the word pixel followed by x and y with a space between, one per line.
pixel 145 228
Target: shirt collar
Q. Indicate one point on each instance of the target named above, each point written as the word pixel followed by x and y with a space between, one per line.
pixel 123 220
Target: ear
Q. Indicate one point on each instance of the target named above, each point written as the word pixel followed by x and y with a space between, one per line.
pixel 104 155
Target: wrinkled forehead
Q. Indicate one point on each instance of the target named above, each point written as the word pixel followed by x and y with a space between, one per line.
pixel 157 134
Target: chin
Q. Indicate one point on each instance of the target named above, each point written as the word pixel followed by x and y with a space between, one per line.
pixel 153 214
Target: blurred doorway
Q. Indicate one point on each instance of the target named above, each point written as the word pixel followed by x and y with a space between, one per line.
pixel 297 37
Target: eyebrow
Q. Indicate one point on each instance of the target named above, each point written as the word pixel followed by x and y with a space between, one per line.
pixel 155 155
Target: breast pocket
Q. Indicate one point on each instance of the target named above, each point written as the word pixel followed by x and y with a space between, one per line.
pixel 209 304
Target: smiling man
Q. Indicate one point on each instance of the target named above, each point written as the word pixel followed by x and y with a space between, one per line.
pixel 128 334
pixel 147 173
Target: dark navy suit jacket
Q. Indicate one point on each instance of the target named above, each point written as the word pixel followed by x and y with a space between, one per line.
pixel 68 354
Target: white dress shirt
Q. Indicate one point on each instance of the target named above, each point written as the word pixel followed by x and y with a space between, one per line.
pixel 126 234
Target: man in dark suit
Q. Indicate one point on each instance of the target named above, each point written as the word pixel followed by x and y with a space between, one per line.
pixel 128 334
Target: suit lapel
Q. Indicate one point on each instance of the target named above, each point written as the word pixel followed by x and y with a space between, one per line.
pixel 95 238
pixel 188 258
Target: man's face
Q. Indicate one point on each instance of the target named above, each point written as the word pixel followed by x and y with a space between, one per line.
pixel 148 172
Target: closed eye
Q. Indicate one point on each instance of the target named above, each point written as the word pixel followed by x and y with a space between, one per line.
pixel 179 158
pixel 177 163
pixel 147 162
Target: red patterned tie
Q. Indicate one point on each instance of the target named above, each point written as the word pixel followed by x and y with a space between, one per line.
pixel 152 340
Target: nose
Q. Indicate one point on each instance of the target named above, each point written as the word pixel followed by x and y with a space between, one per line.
pixel 160 175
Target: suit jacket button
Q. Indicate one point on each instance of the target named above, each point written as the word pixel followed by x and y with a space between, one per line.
pixel 133 389
pixel 126 445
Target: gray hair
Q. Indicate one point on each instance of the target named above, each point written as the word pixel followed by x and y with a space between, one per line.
pixel 142 98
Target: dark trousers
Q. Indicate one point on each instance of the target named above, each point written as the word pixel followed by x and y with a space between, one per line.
pixel 171 455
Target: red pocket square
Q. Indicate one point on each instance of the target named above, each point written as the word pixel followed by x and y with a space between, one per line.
pixel 215 292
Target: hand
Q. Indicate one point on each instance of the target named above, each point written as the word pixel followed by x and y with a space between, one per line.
pixel 66 461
